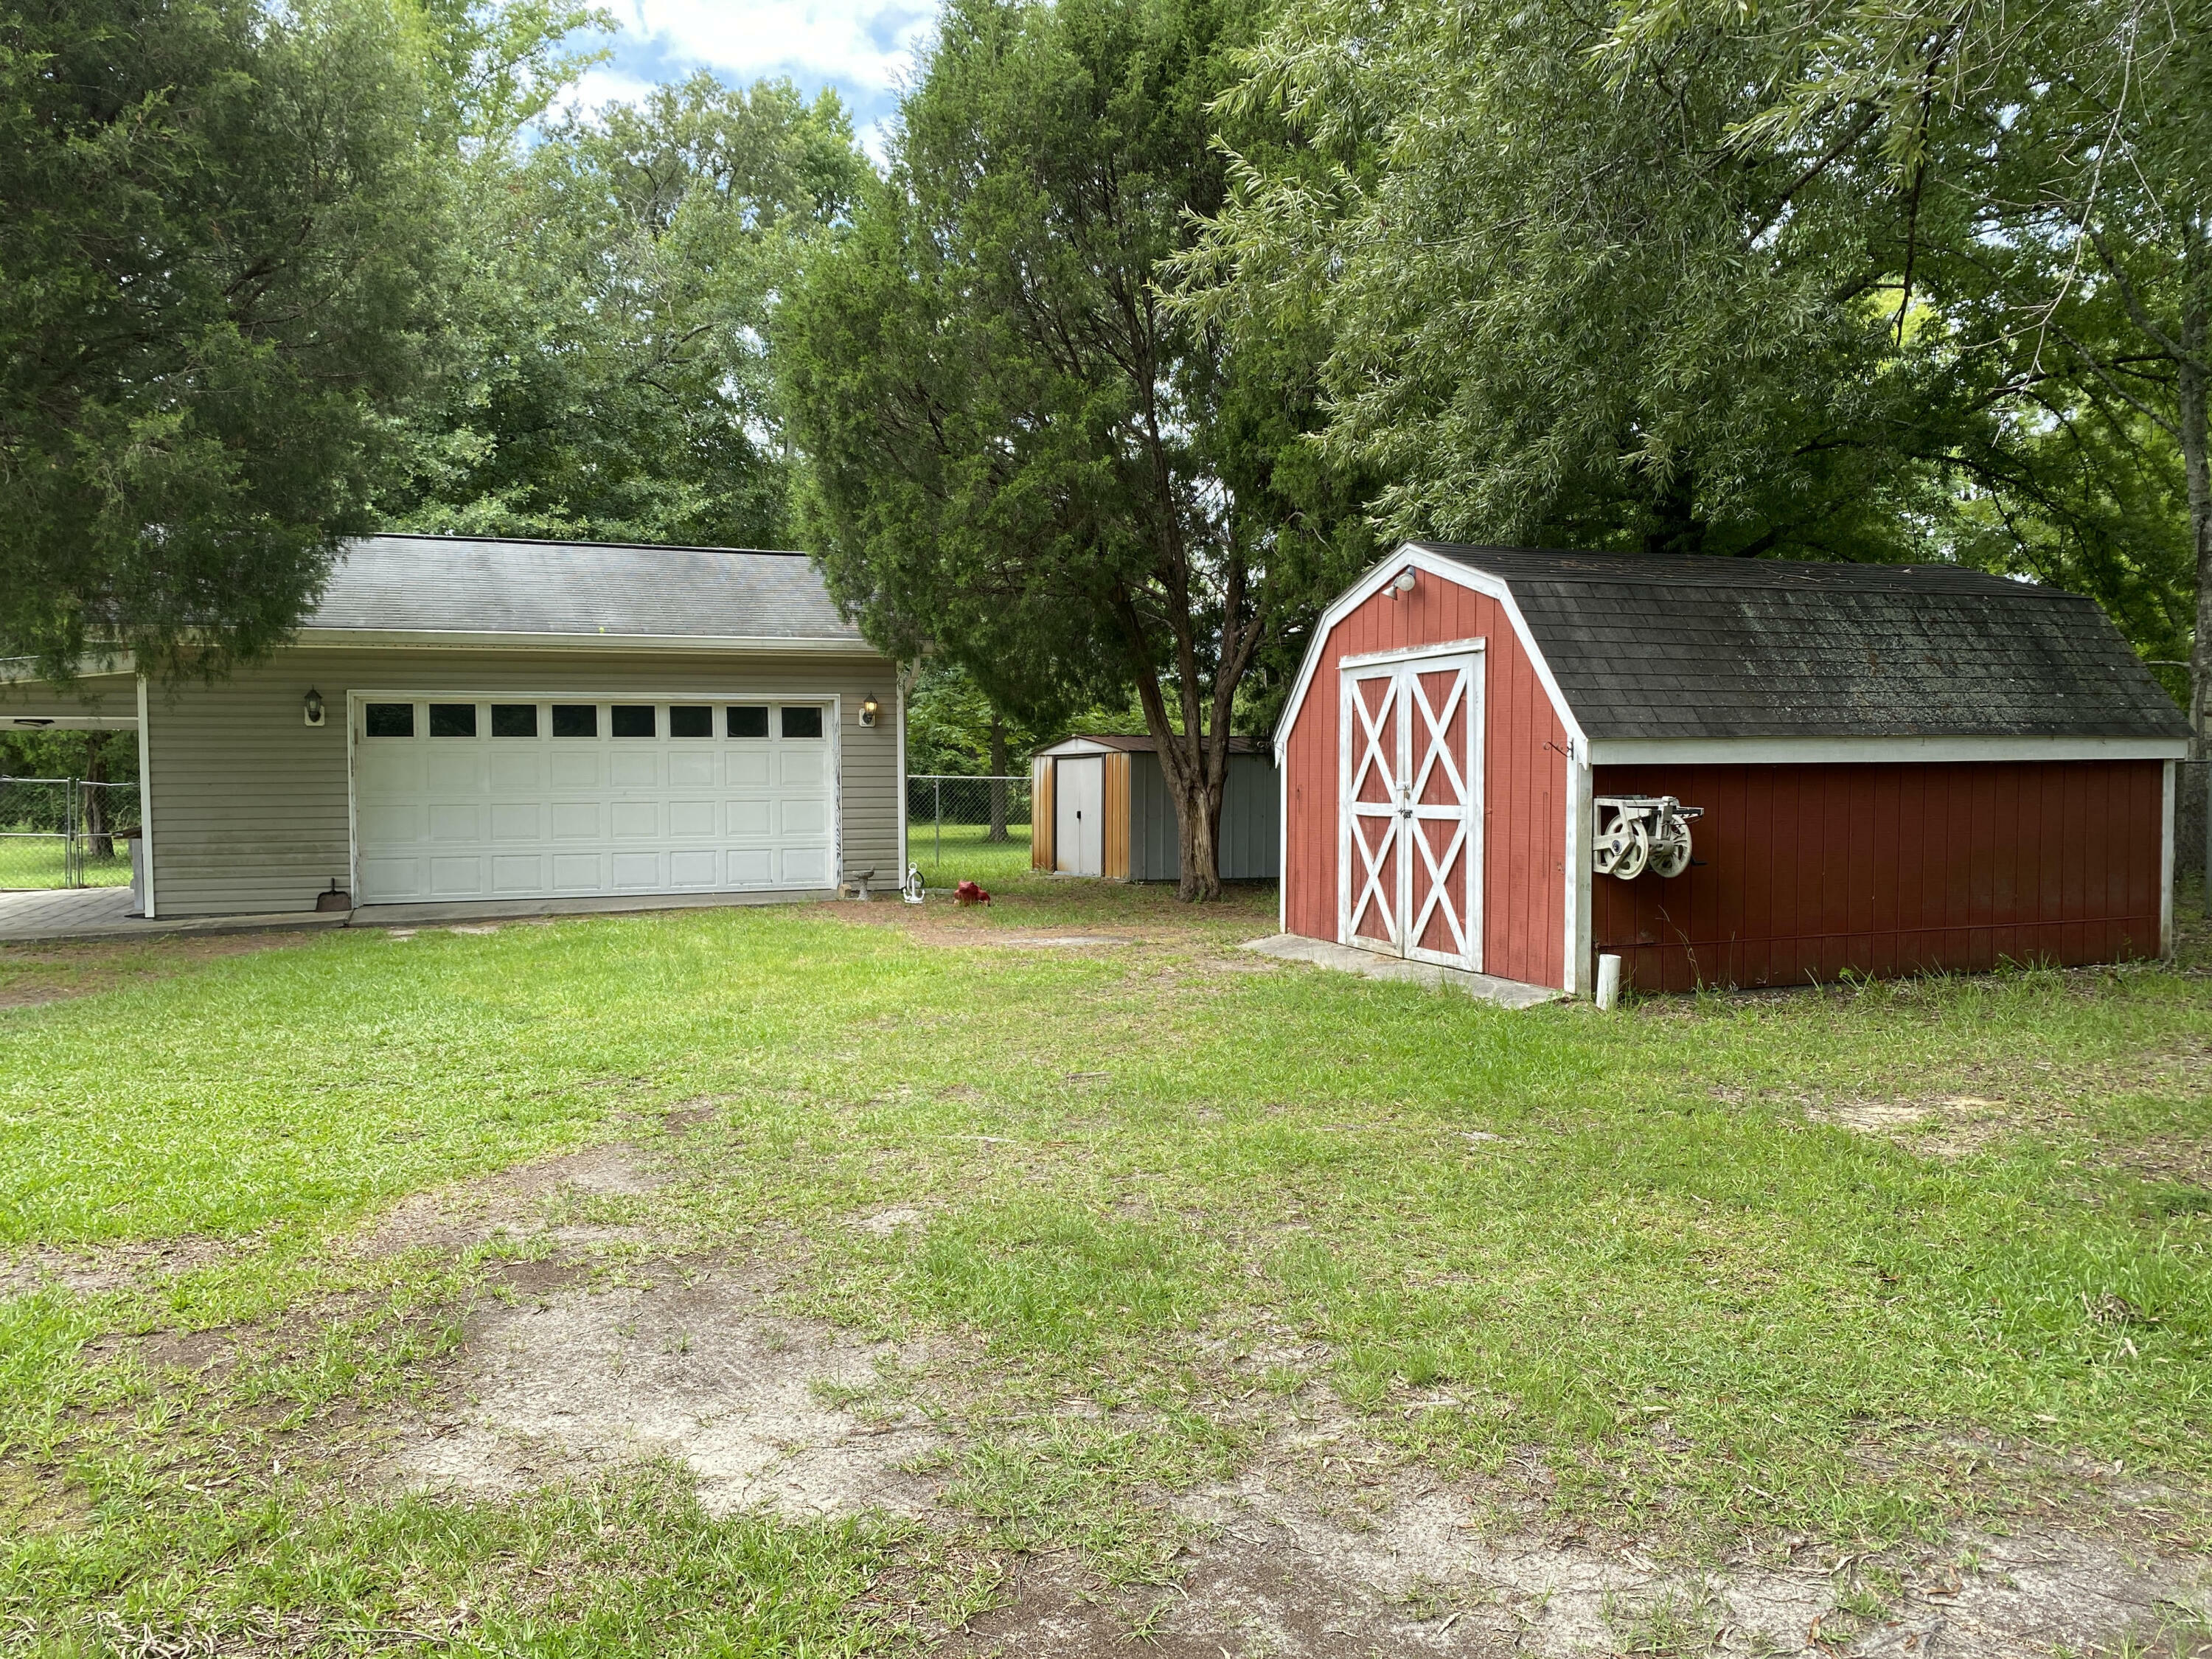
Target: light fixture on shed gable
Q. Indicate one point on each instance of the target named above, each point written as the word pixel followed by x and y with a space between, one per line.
pixel 869 707
pixel 1403 584
pixel 311 706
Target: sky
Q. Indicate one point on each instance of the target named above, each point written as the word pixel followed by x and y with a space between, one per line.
pixel 861 47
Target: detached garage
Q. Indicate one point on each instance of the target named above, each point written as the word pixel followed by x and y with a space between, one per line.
pixel 1725 772
pixel 520 725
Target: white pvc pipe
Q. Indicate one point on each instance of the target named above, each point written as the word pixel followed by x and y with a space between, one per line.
pixel 1609 980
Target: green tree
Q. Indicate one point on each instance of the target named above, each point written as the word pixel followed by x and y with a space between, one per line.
pixel 1017 454
pixel 607 373
pixel 2056 165
pixel 216 220
pixel 1563 305
pixel 952 727
pixel 96 757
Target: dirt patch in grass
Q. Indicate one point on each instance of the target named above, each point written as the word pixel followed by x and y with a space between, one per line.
pixel 561 1375
pixel 90 1269
pixel 700 1368
pixel 2035 1098
pixel 536 1201
pixel 1951 1127
pixel 1275 1574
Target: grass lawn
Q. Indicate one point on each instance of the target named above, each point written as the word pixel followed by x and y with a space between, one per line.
pixel 950 854
pixel 36 861
pixel 1708 1277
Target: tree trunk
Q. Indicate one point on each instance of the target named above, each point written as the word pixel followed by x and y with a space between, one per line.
pixel 1196 772
pixel 1198 825
pixel 998 775
pixel 2196 302
pixel 96 827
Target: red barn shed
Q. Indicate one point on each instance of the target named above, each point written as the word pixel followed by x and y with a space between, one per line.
pixel 1726 772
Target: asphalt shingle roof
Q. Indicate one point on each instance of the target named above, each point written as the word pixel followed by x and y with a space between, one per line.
pixel 462 585
pixel 1690 646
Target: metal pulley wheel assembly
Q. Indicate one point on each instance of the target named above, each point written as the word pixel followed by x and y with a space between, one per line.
pixel 1640 832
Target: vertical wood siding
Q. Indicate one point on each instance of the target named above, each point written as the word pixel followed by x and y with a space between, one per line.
pixel 1807 872
pixel 1524 787
pixel 250 803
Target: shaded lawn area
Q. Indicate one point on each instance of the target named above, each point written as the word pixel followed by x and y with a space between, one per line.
pixel 30 861
pixel 949 854
pixel 1629 1251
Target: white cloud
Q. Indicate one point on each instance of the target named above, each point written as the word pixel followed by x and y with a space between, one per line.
pixel 848 43
pixel 599 86
pixel 867 50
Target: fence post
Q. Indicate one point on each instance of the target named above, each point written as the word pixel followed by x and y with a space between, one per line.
pixel 68 834
pixel 940 785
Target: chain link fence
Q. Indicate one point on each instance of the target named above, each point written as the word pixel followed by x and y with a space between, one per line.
pixel 967 828
pixel 66 832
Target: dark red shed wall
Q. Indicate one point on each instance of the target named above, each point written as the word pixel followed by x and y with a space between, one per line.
pixel 1807 871
pixel 1524 782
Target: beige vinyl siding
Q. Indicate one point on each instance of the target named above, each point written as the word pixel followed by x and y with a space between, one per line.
pixel 98 696
pixel 250 810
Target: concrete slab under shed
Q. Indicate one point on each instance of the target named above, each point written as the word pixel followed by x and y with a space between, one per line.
pixel 1343 958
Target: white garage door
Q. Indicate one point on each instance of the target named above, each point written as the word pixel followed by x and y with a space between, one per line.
pixel 551 799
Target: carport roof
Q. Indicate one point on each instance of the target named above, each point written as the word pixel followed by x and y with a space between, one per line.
pixel 1658 646
pixel 478 586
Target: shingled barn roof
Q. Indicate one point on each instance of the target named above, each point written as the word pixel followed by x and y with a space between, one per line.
pixel 1648 645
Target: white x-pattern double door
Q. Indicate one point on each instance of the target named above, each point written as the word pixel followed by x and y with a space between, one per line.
pixel 1410 841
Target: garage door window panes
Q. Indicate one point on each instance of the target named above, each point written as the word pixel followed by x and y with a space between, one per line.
pixel 484 799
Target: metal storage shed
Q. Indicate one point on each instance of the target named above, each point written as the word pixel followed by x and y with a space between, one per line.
pixel 1100 808
pixel 519 725
pixel 1726 772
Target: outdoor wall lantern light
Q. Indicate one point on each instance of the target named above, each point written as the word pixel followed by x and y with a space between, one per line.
pixel 313 707
pixel 1404 584
pixel 869 707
